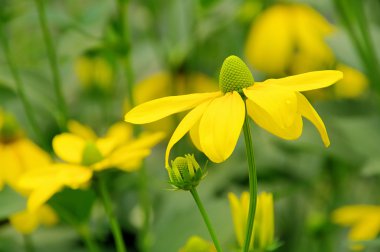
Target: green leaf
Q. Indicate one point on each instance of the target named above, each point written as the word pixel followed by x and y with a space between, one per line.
pixel 73 206
pixel 10 202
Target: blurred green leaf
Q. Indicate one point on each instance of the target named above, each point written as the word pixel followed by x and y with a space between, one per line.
pixel 73 206
pixel 10 202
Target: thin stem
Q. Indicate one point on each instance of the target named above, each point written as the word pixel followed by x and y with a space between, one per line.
pixel 115 227
pixel 28 243
pixel 51 53
pixel 252 183
pixel 205 218
pixel 85 233
pixel 125 49
pixel 20 87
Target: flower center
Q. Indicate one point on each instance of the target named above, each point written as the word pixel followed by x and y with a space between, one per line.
pixel 234 75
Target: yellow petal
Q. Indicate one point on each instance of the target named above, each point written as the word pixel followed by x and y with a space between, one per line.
pixel 238 218
pixel 307 81
pixel 220 126
pixel 25 222
pixel 349 215
pixel 353 84
pixel 194 135
pixel 73 176
pixel 270 41
pixel 81 130
pixel 265 121
pixel 41 195
pixel 160 108
pixel 367 229
pixel 279 103
pixel 309 112
pixel 47 216
pixel 121 159
pixel 184 126
pixel 69 147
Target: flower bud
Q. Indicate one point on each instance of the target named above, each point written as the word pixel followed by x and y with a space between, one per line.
pixel 185 173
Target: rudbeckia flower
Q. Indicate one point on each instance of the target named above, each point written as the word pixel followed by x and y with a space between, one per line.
pixel 216 118
pixel 263 230
pixel 83 153
pixel 364 221
pixel 289 39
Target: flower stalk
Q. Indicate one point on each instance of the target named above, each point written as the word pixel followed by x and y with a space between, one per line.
pixel 252 181
pixel 115 226
pixel 205 217
pixel 51 53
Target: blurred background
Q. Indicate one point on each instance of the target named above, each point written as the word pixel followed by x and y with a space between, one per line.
pixel 113 55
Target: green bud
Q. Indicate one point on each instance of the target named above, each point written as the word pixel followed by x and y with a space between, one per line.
pixel 91 154
pixel 185 173
pixel 234 75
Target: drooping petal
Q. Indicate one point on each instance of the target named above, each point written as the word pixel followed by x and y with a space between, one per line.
pixel 69 147
pixel 220 126
pixel 367 229
pixel 121 159
pixel 307 81
pixel 194 135
pixel 306 110
pixel 41 195
pixel 81 130
pixel 238 217
pixel 265 121
pixel 349 215
pixel 279 103
pixel 184 126
pixel 154 110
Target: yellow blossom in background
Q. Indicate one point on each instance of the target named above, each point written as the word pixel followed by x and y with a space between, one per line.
pixel 289 39
pixel 216 119
pixel 197 244
pixel 27 221
pixel 94 71
pixel 163 84
pixel 263 229
pixel 85 153
pixel 353 85
pixel 363 220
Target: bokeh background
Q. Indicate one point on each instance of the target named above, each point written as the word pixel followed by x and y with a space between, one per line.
pixel 112 55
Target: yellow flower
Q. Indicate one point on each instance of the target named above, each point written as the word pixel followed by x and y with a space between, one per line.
pixel 17 153
pixel 364 221
pixel 94 72
pixel 352 85
pixel 85 153
pixel 263 230
pixel 216 121
pixel 26 221
pixel 197 244
pixel 289 39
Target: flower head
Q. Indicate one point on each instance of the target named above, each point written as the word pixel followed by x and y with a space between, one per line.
pixel 185 173
pixel 216 118
pixel 364 221
pixel 263 230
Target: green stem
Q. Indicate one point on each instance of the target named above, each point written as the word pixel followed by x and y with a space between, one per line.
pixel 51 53
pixel 115 227
pixel 252 182
pixel 125 48
pixel 28 243
pixel 85 233
pixel 20 87
pixel 205 218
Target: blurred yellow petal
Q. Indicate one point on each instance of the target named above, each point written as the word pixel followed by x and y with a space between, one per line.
pixel 309 113
pixel 269 44
pixel 184 126
pixel 121 131
pixel 81 130
pixel 121 159
pixel 145 140
pixel 367 229
pixel 279 103
pixel 349 215
pixel 160 108
pixel 220 126
pixel 353 84
pixel 238 218
pixel 47 216
pixel 25 222
pixel 307 81
pixel 69 147
pixel 265 121
pixel 41 195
